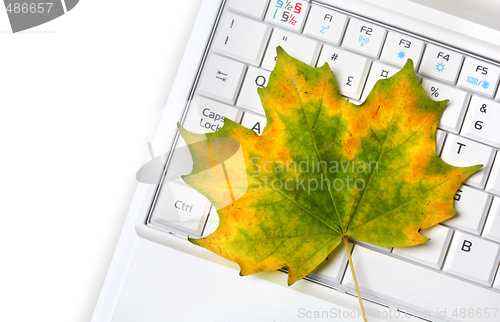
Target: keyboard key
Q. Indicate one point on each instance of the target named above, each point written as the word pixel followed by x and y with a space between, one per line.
pixel 472 258
pixel 492 226
pixel 398 48
pixel 333 267
pixel 249 98
pixel 299 47
pixel 493 184
pixel 181 207
pixel 287 13
pixel 431 253
pixel 242 38
pixel 222 78
pixel 377 71
pixel 462 152
pixel 254 122
pixel 350 70
pixel 479 76
pixel 254 8
pixel 416 287
pixel 364 37
pixel 326 25
pixel 482 122
pixel 472 206
pixel 453 114
pixel 441 63
pixel 206 115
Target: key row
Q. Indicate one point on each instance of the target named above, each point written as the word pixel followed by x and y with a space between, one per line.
pixel 245 40
pixel 466 255
pixel 186 209
pixel 472 116
pixel 355 35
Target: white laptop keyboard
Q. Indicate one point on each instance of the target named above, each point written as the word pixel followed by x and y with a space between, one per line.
pixel 464 253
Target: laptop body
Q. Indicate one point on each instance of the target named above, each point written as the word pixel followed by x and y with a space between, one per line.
pixel 156 276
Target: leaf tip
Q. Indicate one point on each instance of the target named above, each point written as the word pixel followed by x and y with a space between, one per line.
pixel 475 168
pixel 409 65
pixel 425 239
pixel 280 51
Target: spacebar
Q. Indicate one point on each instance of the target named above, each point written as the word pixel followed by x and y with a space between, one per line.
pixel 427 293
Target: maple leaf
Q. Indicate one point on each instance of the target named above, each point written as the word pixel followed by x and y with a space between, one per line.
pixel 324 170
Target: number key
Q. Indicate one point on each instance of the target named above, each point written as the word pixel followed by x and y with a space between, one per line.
pixel 287 13
pixel 302 48
pixel 483 121
pixel 350 70
pixel 378 71
pixel 242 38
pixel 453 114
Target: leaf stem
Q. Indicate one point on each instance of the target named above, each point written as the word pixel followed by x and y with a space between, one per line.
pixel 346 243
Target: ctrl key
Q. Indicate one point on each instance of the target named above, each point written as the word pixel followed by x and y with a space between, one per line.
pixel 181 207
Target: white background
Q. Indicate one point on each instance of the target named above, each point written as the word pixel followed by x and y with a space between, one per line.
pixel 74 96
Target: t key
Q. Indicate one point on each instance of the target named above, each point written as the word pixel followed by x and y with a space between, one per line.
pixel 462 152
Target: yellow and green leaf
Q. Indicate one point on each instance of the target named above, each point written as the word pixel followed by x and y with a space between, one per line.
pixel 324 169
